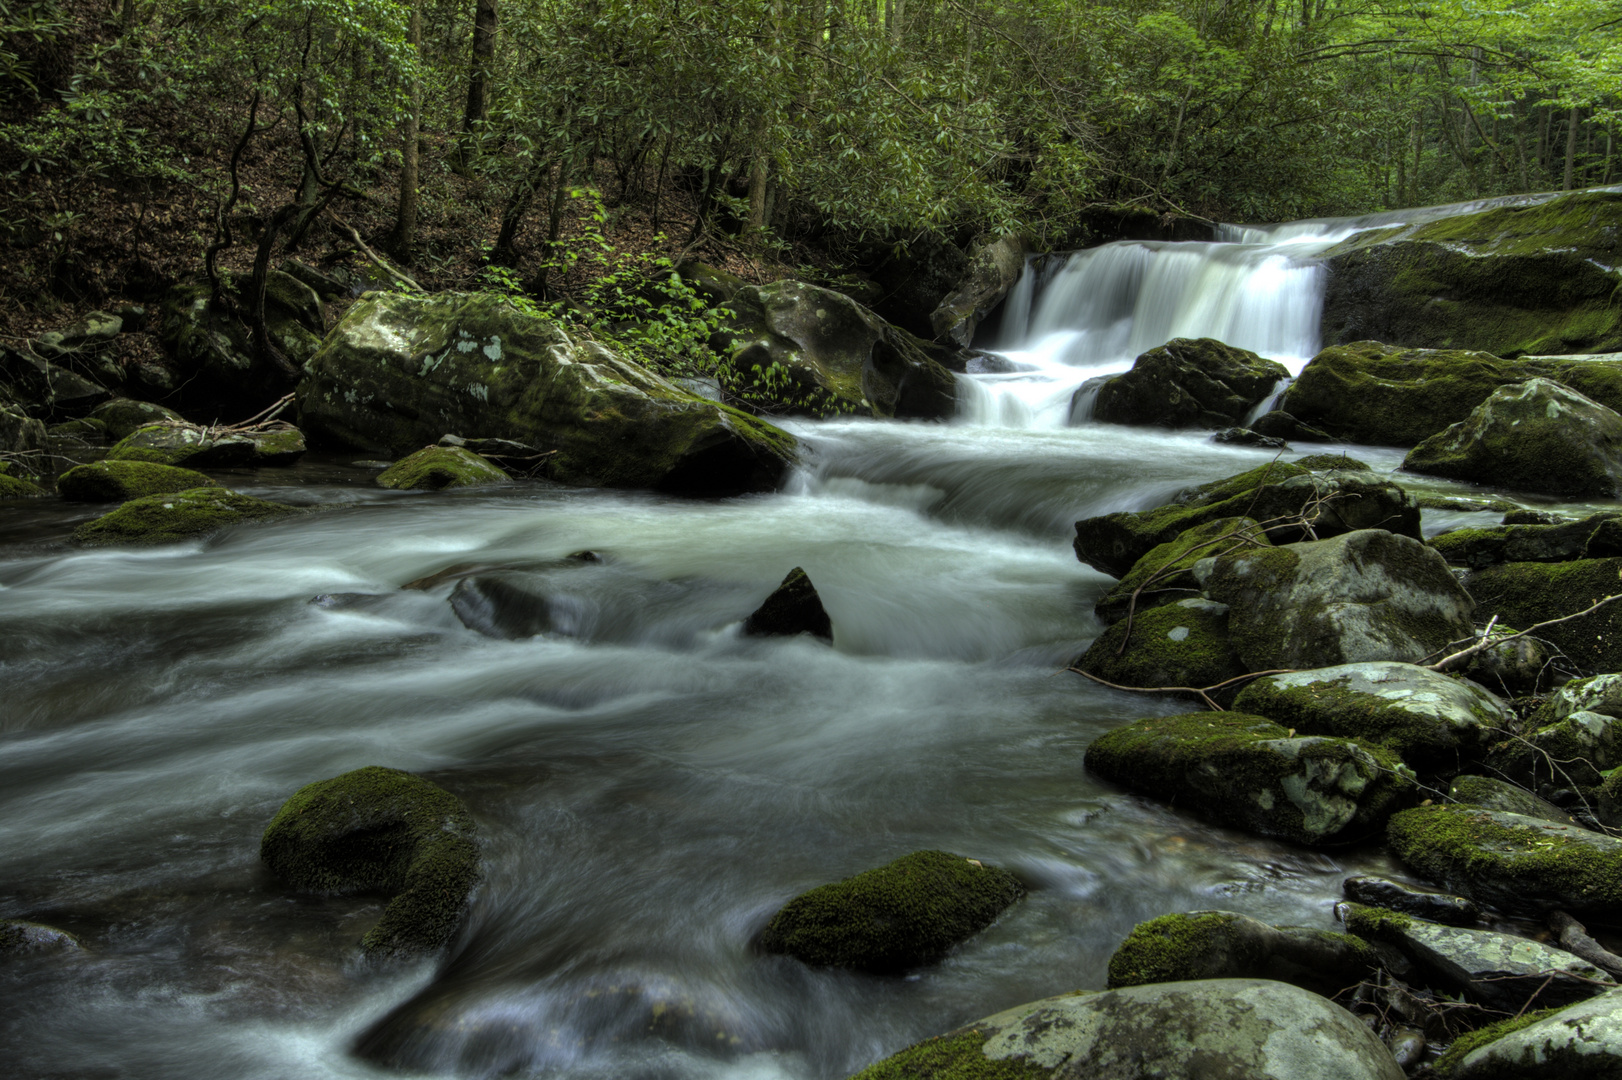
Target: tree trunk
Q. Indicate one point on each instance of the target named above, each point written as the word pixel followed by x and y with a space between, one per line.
pixel 1571 149
pixel 478 80
pixel 405 222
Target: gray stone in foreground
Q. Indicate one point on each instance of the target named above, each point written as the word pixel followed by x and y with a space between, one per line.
pixel 1583 1042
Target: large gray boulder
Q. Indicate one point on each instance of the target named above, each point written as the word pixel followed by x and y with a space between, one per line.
pixel 1535 436
pixel 1580 1042
pixel 1184 383
pixel 400 371
pixel 1211 1029
pixel 994 267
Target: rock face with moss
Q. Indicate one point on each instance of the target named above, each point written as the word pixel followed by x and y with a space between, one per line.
pixel 122 417
pixel 1246 771
pixel 15 487
pixel 1571 752
pixel 434 468
pixel 1189 382
pixel 195 446
pixel 1534 436
pixel 121 481
pixel 900 916
pixel 1166 574
pixel 794 607
pixel 1436 907
pixel 1579 1042
pixel 1254 1029
pixel 1511 861
pixel 380 830
pixel 400 371
pixel 1526 593
pixel 216 369
pixel 1433 722
pixel 183 515
pixel 1490 793
pixel 18 431
pixel 1511 280
pixel 1592 537
pixel 1183 644
pixel 1227 945
pixel 798 348
pixel 993 269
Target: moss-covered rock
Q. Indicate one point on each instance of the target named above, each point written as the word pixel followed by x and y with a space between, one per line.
pixel 400 371
pixel 1570 753
pixel 1490 793
pixel 1600 694
pixel 1189 382
pixel 712 283
pixel 184 515
pixel 47 390
pixel 899 916
pixel 196 446
pixel 434 468
pixel 15 487
pixel 1227 945
pixel 1534 436
pixel 1525 1059
pixel 1433 722
pixel 121 481
pixel 217 372
pixel 1511 280
pixel 1526 593
pixel 1511 861
pixel 1212 1029
pixel 1246 771
pixel 380 830
pixel 20 432
pixel 1165 574
pixel 1184 644
pixel 1478 549
pixel 794 607
pixel 1404 899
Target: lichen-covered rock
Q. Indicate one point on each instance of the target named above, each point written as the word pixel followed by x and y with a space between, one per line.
pixel 1165 574
pixel 1571 752
pixel 1478 549
pixel 400 371
pixel 1511 861
pixel 1512 280
pixel 1579 1042
pixel 899 916
pixel 1248 772
pixel 1213 1029
pixel 1526 593
pixel 195 446
pixel 1433 722
pixel 217 370
pixel 434 468
pixel 1184 644
pixel 380 830
pixel 1600 694
pixel 184 515
pixel 1363 596
pixel 1227 945
pixel 1533 436
pixel 1276 494
pixel 121 481
pixel 1500 971
pixel 994 267
pixel 794 607
pixel 26 937
pixel 1189 382
pixel 1435 907
pixel 798 348
pixel 1493 794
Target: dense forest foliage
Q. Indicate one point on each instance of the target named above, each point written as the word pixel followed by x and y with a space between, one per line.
pixel 505 139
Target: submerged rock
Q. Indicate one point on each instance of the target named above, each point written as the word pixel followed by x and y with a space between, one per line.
pixel 499 607
pixel 1189 383
pixel 900 916
pixel 1579 1042
pixel 1526 593
pixel 183 515
pixel 1227 945
pixel 1253 1029
pixel 793 608
pixel 120 481
pixel 1432 906
pixel 1184 644
pixel 435 468
pixel 1248 772
pixel 17 937
pixel 380 830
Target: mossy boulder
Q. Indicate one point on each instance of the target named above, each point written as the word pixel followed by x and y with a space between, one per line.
pixel 434 468
pixel 1512 665
pixel 1363 596
pixel 798 348
pixel 217 371
pixel 1490 793
pixel 1165 574
pixel 1211 1029
pixel 794 607
pixel 1534 436
pixel 183 515
pixel 899 916
pixel 1600 694
pixel 1572 752
pixel 1189 382
pixel 712 283
pixel 1512 861
pixel 47 390
pixel 1227 945
pixel 400 371
pixel 380 830
pixel 15 487
pixel 197 446
pixel 121 481
pixel 1532 278
pixel 1526 593
pixel 1184 644
pixel 1248 772
pixel 1477 549
pixel 1433 722
pixel 993 269
pixel 1579 1042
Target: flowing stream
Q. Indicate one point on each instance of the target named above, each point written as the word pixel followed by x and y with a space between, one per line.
pixel 649 786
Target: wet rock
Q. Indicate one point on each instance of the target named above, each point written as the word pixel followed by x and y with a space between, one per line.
pixel 1238 436
pixel 1189 383
pixel 17 937
pixel 1408 1047
pixel 435 468
pixel 1600 694
pixel 1562 542
pixel 399 371
pixel 380 830
pixel 900 916
pixel 1473 506
pixel 1433 722
pixel 123 416
pixel 1512 861
pixel 1579 1042
pixel 1251 1028
pixel 1393 895
pixel 1492 794
pixel 1534 436
pixel 1363 596
pixel 184 515
pixel 1227 945
pixel 1279 424
pixel 910 281
pixel 993 269
pixel 1165 574
pixel 793 608
pixel 499 607
pixel 1248 772
pixel 1184 644
pixel 121 481
pixel 15 487
pixel 1526 593
pixel 1571 752
pixel 194 446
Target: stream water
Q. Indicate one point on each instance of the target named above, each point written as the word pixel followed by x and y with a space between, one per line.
pixel 649 787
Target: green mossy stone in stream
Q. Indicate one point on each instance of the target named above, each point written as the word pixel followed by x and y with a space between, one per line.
pixel 434 468
pixel 380 830
pixel 1227 945
pixel 1448 1065
pixel 1165 573
pixel 123 416
pixel 1477 549
pixel 121 481
pixel 15 487
pixel 899 916
pixel 1525 593
pixel 1490 793
pixel 1184 643
pixel 183 515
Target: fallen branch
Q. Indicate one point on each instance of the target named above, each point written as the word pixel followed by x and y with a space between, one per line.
pixel 377 260
pixel 1574 939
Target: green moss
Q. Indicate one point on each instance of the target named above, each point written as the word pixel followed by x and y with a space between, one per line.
pixel 184 515
pixel 1170 948
pixel 1376 923
pixel 1525 593
pixel 1471 1041
pixel 957 1056
pixel 122 416
pixel 436 467
pixel 380 830
pixel 1179 644
pixel 14 487
pixel 122 480
pixel 1171 564
pixel 1331 462
pixel 1466 506
pixel 898 916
